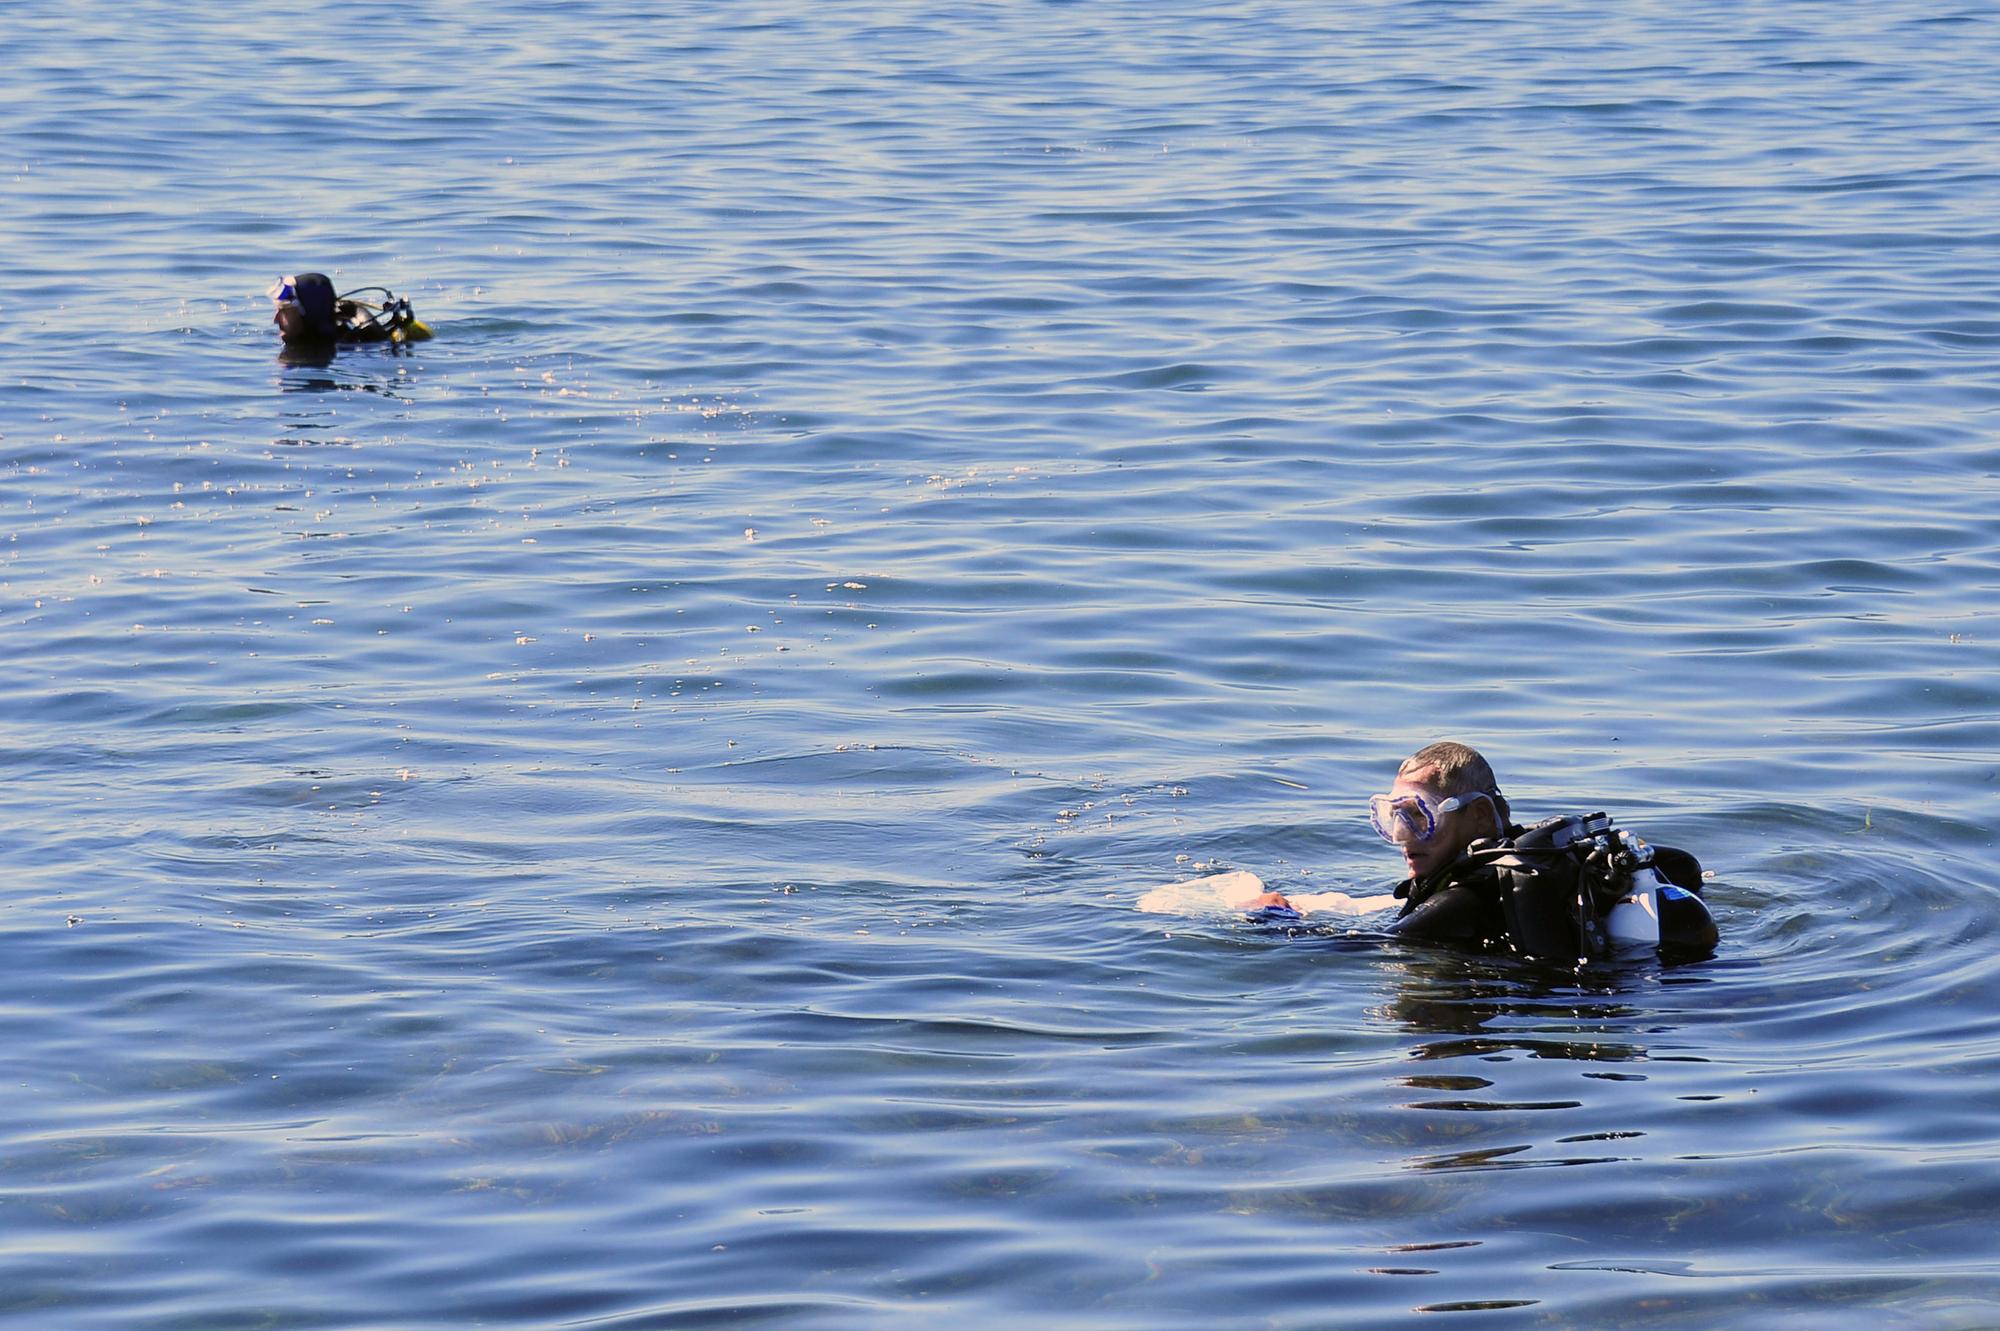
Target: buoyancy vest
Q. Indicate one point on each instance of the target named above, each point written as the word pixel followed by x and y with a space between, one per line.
pixel 1566 889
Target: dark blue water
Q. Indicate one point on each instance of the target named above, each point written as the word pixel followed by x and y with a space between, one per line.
pixel 630 815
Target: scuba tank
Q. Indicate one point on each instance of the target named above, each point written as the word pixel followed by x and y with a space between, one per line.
pixel 1634 919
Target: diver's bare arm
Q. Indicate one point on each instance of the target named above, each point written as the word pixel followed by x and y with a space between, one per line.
pixel 1307 902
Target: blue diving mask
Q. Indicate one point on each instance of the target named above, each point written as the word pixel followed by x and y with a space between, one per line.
pixel 1414 817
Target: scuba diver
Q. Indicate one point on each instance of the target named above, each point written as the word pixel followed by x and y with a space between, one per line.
pixel 311 316
pixel 1564 889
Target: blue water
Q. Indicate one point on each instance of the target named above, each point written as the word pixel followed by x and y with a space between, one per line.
pixel 630 814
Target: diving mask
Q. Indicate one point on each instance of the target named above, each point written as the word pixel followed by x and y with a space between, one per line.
pixel 1414 816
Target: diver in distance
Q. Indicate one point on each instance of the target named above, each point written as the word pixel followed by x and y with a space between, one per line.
pixel 310 317
pixel 1565 889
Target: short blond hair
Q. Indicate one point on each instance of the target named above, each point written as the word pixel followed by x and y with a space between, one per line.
pixel 1452 768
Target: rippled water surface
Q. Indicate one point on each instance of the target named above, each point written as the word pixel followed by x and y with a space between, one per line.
pixel 630 814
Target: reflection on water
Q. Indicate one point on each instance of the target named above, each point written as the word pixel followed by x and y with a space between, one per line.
pixel 1477 1005
pixel 1478 1015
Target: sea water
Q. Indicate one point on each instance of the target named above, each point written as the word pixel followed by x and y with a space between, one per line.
pixel 629 814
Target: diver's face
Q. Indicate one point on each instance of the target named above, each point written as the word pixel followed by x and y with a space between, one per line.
pixel 1455 830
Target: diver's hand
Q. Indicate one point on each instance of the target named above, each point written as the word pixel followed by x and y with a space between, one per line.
pixel 1272 907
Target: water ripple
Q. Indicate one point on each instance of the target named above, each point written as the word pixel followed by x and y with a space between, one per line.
pixel 627 815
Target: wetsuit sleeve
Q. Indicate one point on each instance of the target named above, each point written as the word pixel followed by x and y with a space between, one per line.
pixel 1455 914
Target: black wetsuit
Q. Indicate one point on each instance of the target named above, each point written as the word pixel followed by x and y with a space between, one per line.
pixel 1471 902
pixel 1463 903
